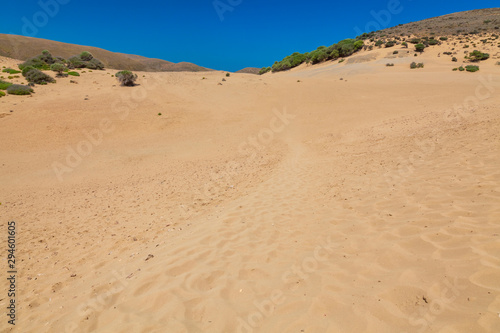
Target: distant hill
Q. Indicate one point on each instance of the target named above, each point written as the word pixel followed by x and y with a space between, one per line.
pixel 468 22
pixel 23 48
pixel 249 70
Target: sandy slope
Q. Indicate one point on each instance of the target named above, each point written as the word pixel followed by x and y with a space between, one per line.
pixel 368 204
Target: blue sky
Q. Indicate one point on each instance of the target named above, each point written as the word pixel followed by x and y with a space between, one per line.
pixel 221 34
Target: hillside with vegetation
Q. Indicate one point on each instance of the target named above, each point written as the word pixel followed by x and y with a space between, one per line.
pixel 23 48
pixel 458 28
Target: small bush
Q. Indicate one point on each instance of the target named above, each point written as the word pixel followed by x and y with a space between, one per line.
pixel 74 73
pixel 443 38
pixel 58 68
pixel 454 59
pixel 405 44
pixel 414 41
pixel 341 61
pixel 228 74
pixel 11 71
pixel 4 85
pixel 126 78
pixel 389 65
pixel 38 77
pixel 17 89
pixel 433 42
pixel 461 68
pixel 472 68
pixel 95 63
pixel 2 94
pixel 395 52
pixel 455 69
pixel 390 43
pixel 419 47
pixel 414 65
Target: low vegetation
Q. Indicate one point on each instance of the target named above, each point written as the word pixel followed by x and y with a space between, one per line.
pixel 73 73
pixel 4 85
pixel 11 71
pixel 58 68
pixel 420 47
pixel 476 56
pixel 472 68
pixel 45 60
pixel 414 65
pixel 2 93
pixel 36 76
pixel 342 49
pixel 126 78
pixel 18 89
pixel 264 70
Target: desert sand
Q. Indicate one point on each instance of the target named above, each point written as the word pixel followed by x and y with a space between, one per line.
pixel 342 197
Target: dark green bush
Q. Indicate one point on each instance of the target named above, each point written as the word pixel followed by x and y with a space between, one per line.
pixel 477 56
pixel 264 70
pixel 419 47
pixel 433 42
pixel 38 77
pixel 4 85
pixel 414 41
pixel 11 71
pixel 461 68
pixel 126 78
pixel 414 65
pixel 472 68
pixel 395 52
pixel 379 43
pixel 443 38
pixel 390 43
pixel 454 59
pixel 74 73
pixel 228 74
pixel 76 62
pixel 17 89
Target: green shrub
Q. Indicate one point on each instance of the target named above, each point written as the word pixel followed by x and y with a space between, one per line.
pixel 472 68
pixel 228 74
pixel 389 65
pixel 414 41
pixel 2 94
pixel 264 70
pixel 454 59
pixel 455 69
pixel 433 42
pixel 27 69
pixel 58 68
pixel 17 89
pixel 390 43
pixel 95 63
pixel 4 85
pixel 405 44
pixel 76 62
pixel 74 73
pixel 461 68
pixel 126 78
pixel 419 47
pixel 11 71
pixel 477 56
pixel 395 52
pixel 379 43
pixel 86 56
pixel 38 77
pixel 443 38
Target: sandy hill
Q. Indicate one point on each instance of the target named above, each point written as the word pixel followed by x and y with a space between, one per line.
pixel 21 47
pixel 340 197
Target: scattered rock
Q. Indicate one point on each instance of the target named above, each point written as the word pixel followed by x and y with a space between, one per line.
pixel 150 256
pixel 73 81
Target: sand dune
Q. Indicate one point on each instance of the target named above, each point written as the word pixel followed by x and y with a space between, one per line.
pixel 367 204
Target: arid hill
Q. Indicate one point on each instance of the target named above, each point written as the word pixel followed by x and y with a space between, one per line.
pixel 23 48
pixel 249 70
pixel 469 22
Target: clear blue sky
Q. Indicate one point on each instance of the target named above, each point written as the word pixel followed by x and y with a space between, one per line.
pixel 240 33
